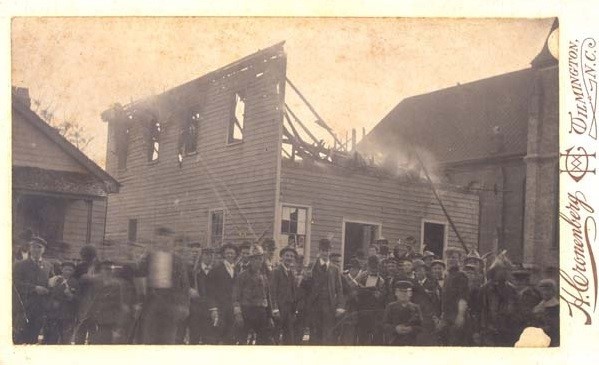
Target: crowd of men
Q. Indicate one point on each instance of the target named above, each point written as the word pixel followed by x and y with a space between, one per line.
pixel 238 295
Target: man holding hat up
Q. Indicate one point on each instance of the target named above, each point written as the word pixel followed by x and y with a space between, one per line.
pixel 283 288
pixel 30 278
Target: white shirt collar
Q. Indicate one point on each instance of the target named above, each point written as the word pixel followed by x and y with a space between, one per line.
pixel 230 268
pixel 323 262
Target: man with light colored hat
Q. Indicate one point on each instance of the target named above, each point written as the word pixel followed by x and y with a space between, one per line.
pixel 428 257
pixel 251 298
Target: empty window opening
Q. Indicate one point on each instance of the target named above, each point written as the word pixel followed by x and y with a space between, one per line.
pixel 236 124
pixel 190 134
pixel 132 230
pixel 217 226
pixel 154 150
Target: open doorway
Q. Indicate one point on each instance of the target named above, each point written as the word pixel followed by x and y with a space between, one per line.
pixel 433 237
pixel 358 236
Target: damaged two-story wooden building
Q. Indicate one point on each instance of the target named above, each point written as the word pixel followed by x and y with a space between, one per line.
pixel 220 159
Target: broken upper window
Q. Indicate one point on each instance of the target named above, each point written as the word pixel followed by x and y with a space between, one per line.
pixel 236 124
pixel 121 144
pixel 189 134
pixel 294 226
pixel 154 145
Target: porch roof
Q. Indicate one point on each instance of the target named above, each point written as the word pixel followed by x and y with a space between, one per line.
pixel 52 181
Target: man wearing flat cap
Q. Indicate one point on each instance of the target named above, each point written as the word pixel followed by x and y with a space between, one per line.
pixel 251 299
pixel 30 293
pixel 402 319
pixel 325 300
pixel 283 290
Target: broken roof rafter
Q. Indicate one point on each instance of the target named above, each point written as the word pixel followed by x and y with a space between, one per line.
pixel 319 119
pixel 298 121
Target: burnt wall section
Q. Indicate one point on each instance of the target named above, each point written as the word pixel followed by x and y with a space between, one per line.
pixel 180 189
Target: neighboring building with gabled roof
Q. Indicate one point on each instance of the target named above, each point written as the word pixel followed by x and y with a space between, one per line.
pixel 58 193
pixel 496 136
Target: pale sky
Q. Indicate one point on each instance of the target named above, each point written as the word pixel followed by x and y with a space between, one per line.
pixel 352 70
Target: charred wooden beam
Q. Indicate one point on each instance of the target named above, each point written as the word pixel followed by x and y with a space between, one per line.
pixel 300 123
pixel 319 120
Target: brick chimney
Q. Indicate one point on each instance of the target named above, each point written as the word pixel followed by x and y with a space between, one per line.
pixel 22 95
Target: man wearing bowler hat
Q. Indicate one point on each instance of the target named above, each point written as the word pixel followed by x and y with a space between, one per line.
pixel 283 289
pixel 325 300
pixel 30 293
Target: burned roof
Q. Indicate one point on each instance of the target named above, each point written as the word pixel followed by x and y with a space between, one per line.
pixel 53 181
pixel 179 94
pixel 470 121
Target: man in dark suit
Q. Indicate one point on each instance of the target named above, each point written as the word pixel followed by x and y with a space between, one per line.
pixel 202 311
pixel 30 293
pixel 283 296
pixel 326 296
pixel 221 281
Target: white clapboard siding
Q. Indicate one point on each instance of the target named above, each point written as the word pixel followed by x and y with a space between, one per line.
pixel 336 193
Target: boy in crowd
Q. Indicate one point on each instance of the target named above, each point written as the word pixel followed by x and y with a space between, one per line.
pixel 402 319
pixel 63 305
